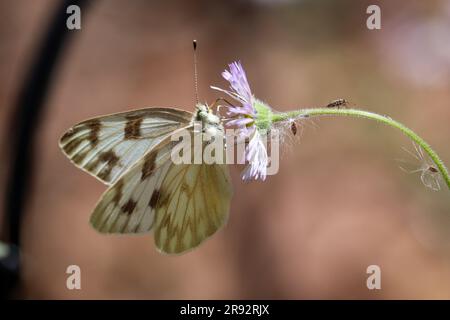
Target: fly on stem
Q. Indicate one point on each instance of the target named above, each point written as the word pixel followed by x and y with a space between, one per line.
pixel 424 166
pixel 338 103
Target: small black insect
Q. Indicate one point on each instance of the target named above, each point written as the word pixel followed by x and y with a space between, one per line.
pixel 337 103
pixel 432 169
pixel 293 128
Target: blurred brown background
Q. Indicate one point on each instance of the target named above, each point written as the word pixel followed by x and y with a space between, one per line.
pixel 339 202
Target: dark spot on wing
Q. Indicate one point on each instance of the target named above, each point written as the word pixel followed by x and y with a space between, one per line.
pixel 184 188
pixel 79 157
pixel 118 187
pixel 72 145
pixel 109 157
pixel 94 127
pixel 128 207
pixel 71 132
pixel 149 164
pixel 111 160
pixel 72 141
pixel 163 198
pixel 154 199
pixel 133 127
pixel 92 165
pixel 69 139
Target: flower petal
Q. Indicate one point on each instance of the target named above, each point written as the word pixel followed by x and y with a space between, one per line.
pixel 238 81
pixel 258 160
pixel 240 122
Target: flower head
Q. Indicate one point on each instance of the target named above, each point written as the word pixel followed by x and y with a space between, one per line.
pixel 251 118
pixel 242 116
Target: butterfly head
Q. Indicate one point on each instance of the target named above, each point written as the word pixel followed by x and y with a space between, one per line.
pixel 204 114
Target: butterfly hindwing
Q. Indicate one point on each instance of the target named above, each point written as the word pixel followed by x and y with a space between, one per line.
pixel 193 204
pixel 107 146
pixel 183 203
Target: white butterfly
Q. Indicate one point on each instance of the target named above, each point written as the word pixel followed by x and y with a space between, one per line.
pixel 131 152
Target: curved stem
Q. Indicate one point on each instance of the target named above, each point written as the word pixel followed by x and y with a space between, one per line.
pixel 276 117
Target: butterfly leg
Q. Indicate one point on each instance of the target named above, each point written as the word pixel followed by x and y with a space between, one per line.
pixel 217 105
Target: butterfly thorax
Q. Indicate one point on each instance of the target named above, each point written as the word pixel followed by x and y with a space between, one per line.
pixel 210 123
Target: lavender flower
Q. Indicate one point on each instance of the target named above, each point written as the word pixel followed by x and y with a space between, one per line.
pixel 251 118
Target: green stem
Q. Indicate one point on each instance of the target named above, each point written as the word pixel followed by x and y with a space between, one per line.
pixel 276 117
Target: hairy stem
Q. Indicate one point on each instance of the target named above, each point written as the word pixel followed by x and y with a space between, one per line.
pixel 276 117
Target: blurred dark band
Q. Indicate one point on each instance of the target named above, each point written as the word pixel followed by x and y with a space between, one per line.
pixel 27 115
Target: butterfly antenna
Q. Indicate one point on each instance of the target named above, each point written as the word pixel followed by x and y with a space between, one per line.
pixel 194 43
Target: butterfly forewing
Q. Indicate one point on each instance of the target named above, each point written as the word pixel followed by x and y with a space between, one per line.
pixel 128 205
pixel 107 146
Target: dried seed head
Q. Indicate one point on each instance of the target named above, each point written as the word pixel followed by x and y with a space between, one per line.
pixel 429 174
